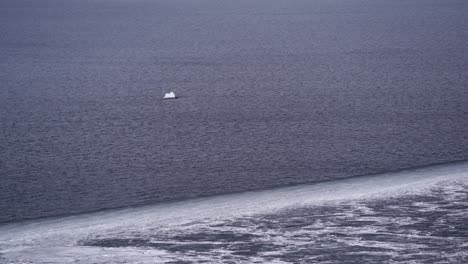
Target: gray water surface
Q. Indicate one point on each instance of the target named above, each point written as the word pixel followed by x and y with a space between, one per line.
pixel 271 92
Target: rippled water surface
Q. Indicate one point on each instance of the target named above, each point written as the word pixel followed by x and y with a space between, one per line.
pixel 272 93
pixel 303 95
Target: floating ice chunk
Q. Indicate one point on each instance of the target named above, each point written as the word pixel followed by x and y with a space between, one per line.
pixel 170 95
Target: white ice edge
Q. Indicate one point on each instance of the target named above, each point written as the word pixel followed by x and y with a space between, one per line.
pixel 68 230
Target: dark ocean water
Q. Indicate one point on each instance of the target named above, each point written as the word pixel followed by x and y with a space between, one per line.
pixel 272 93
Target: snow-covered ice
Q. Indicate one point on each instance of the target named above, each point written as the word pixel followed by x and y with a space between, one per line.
pixel 170 95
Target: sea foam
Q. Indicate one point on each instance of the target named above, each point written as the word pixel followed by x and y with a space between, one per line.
pixel 38 239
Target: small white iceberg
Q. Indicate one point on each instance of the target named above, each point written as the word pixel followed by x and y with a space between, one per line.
pixel 170 95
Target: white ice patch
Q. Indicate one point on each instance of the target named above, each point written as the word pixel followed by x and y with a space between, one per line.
pixel 170 95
